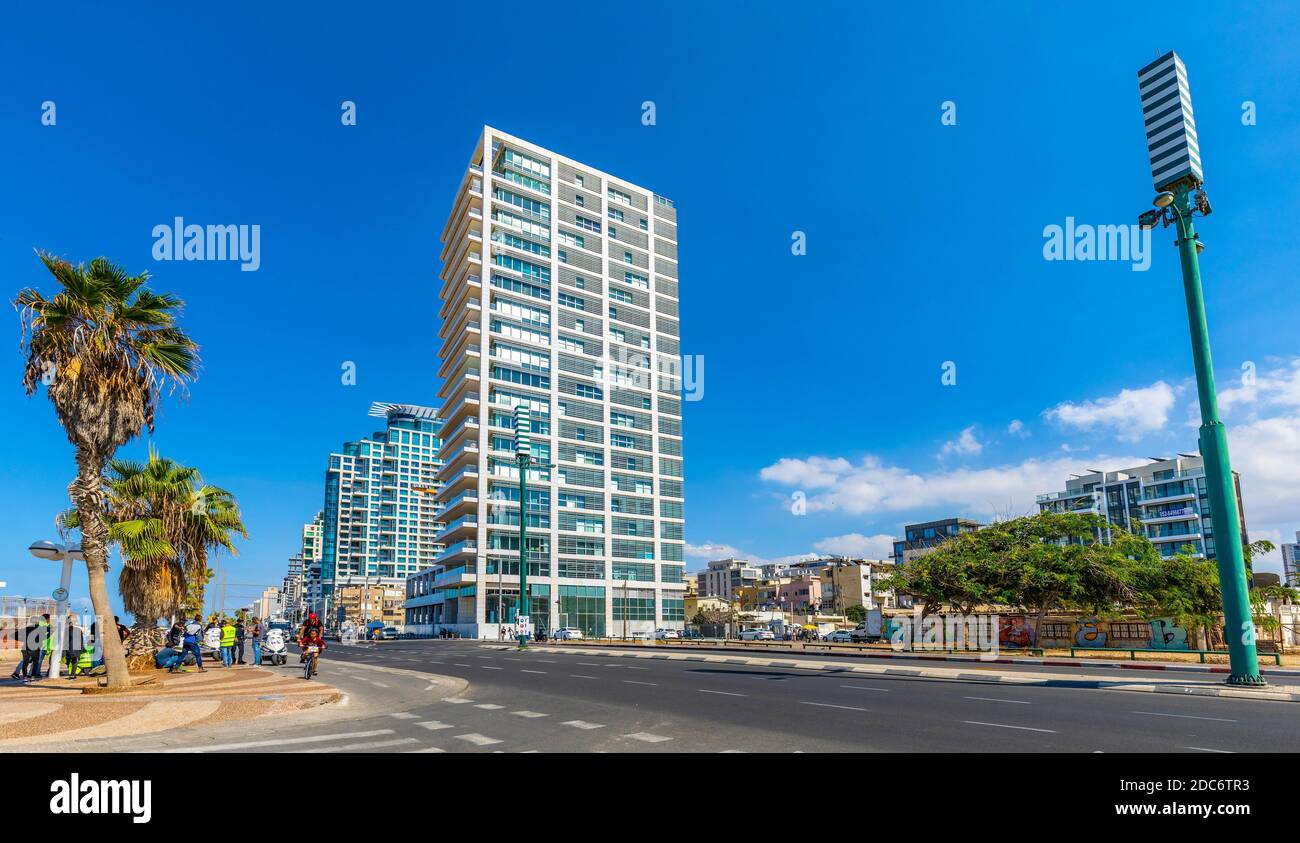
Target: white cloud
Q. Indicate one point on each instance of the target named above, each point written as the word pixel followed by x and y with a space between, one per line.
pixel 812 473
pixel 965 444
pixel 1277 388
pixel 880 546
pixel 712 551
pixel 1006 490
pixel 1017 428
pixel 1131 414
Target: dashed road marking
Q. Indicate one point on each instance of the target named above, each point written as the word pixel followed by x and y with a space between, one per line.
pixel 646 737
pixel 580 676
pixel 1185 716
pixel 723 693
pixel 364 746
pixel 635 682
pixel 1005 726
pixel 533 671
pixel 458 701
pixel 404 715
pixel 829 705
pixel 434 725
pixel 583 724
pixel 477 739
pixel 995 699
pixel 489 706
pixel 529 714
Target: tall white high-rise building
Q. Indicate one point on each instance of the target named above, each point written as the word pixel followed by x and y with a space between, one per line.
pixel 559 291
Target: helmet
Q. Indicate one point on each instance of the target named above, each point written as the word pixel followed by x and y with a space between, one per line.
pixel 311 616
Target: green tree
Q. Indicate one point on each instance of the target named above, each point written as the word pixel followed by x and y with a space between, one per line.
pixel 856 614
pixel 105 347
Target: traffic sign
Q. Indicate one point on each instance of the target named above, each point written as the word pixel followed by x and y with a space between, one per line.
pixel 524 626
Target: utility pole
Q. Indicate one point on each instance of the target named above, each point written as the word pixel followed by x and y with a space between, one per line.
pixel 524 458
pixel 1177 176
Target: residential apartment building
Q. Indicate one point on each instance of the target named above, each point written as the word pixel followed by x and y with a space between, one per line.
pixel 559 292
pixel 855 582
pixel 1166 501
pixel 380 521
pixel 727 577
pixel 292 588
pixel 1291 562
pixel 920 539
pixel 363 604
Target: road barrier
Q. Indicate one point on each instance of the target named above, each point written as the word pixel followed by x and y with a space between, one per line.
pixel 1133 651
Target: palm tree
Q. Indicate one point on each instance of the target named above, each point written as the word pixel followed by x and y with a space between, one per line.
pixel 165 521
pixel 105 347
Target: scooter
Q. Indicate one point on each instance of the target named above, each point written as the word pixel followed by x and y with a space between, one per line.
pixel 275 647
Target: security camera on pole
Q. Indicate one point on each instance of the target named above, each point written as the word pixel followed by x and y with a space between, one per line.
pixel 1176 173
pixel 524 457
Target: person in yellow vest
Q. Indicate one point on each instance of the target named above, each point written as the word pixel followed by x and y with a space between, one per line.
pixel 227 641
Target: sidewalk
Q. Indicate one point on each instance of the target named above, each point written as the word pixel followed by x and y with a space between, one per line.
pixel 977 672
pixel 58 710
pixel 834 651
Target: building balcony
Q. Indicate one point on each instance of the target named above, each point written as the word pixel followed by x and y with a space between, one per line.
pixel 456 294
pixel 463 457
pixel 466 377
pixel 1165 516
pixel 464 479
pixel 1170 497
pixel 455 413
pixel 459 552
pixel 461 529
pixel 1183 538
pixel 461 504
pixel 1058 496
pixel 466 431
pixel 462 321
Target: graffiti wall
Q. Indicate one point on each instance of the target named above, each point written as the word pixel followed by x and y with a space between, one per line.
pixel 1153 633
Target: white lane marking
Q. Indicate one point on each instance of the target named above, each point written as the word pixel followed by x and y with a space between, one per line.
pixel 458 664
pixel 634 667
pixel 364 746
pixel 723 693
pixel 1005 726
pixel 866 688
pixel 995 699
pixel 730 751
pixel 340 736
pixel 477 739
pixel 404 715
pixel 532 671
pixel 1204 749
pixel 1185 716
pixel 529 714
pixel 427 749
pixel 434 725
pixel 458 701
pixel 484 657
pixel 588 664
pixel 829 705
pixel 646 737
pixel 490 667
pixel 509 659
pixel 547 661
pixel 489 706
pixel 634 682
pixel 580 676
pixel 583 724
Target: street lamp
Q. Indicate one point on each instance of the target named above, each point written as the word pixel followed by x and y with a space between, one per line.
pixel 1177 177
pixel 58 553
pixel 524 458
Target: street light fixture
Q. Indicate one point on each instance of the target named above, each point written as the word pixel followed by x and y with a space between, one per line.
pixel 54 552
pixel 1177 176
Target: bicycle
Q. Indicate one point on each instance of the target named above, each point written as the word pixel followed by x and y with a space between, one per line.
pixel 312 653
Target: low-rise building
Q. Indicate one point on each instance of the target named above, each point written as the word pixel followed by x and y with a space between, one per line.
pixel 360 604
pixel 920 539
pixel 1291 562
pixel 726 577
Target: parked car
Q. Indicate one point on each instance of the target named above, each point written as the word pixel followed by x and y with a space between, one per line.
pixel 840 636
pixel 387 633
pixel 692 634
pixel 757 635
pixel 568 633
pixel 665 634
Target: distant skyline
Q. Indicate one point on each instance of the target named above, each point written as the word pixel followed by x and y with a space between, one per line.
pixel 824 372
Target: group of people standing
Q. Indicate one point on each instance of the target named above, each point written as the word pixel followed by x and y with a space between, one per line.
pixel 185 639
pixel 80 654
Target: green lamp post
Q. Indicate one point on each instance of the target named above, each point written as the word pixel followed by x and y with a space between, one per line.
pixel 1177 176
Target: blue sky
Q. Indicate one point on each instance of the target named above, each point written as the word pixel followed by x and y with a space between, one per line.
pixel 822 371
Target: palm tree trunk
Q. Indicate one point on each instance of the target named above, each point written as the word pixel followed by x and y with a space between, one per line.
pixel 87 493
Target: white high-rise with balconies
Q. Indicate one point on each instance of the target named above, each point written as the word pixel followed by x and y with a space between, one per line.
pixel 559 291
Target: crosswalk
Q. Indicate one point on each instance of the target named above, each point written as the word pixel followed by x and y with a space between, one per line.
pixel 490 727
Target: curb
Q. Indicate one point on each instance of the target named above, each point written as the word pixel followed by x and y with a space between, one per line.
pixel 949 675
pixel 1041 662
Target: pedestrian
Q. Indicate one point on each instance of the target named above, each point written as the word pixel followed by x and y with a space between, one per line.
pixel 239 640
pixel 257 632
pixel 73 646
pixel 168 657
pixel 227 642
pixel 27 669
pixel 192 634
pixel 47 649
pixel 176 636
pixel 122 632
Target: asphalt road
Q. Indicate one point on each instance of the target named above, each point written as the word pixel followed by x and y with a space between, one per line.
pixel 461 696
pixel 545 701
